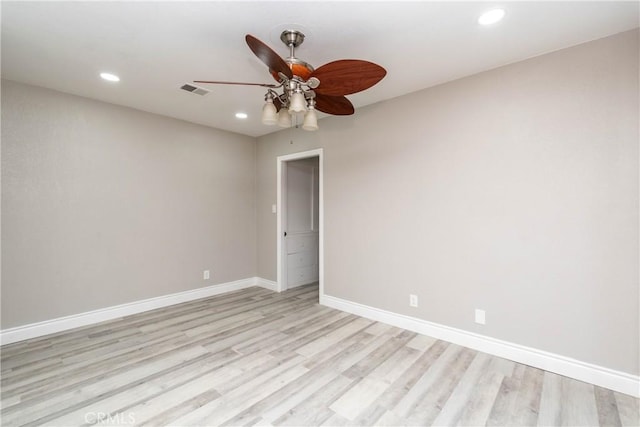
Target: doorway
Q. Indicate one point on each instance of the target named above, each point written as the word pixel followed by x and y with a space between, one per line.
pixel 300 225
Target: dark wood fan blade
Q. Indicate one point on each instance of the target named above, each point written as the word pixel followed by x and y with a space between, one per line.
pixel 268 56
pixel 336 105
pixel 236 83
pixel 347 76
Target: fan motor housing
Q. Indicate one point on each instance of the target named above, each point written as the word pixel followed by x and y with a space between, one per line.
pixel 298 68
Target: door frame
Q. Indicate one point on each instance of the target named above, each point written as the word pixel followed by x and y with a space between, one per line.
pixel 281 284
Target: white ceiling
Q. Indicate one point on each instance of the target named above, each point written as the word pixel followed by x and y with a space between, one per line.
pixel 156 47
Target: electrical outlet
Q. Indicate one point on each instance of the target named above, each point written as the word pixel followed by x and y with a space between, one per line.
pixel 206 275
pixel 480 317
pixel 413 300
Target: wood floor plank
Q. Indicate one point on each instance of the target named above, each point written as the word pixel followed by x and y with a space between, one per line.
pixel 374 359
pixel 369 416
pixel 343 354
pixel 327 340
pixel 406 382
pixel 126 325
pixel 607 407
pixel 219 340
pixel 527 405
pixel 113 351
pixel 363 394
pixel 315 410
pixel 336 420
pixel 478 408
pixel 581 406
pixel 551 401
pixel 68 375
pixel 505 402
pixel 421 342
pixel 628 410
pixel 351 350
pixel 454 407
pixel 429 406
pixel 411 400
pixel 391 369
pixel 256 357
pixel 173 410
pixel 43 408
pixel 334 361
pixel 147 399
pixel 240 398
pixel 278 403
pixel 378 328
pixel 388 419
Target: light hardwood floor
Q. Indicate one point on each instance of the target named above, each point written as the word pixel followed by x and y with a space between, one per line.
pixel 255 357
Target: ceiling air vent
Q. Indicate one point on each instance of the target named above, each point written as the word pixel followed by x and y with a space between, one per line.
pixel 194 89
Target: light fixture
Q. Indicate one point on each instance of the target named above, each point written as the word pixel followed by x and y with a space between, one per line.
pixel 110 77
pixel 297 103
pixel 291 104
pixel 310 118
pixel 284 118
pixel 269 111
pixel 241 116
pixel 491 17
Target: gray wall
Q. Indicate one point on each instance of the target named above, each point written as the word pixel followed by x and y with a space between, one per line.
pixel 514 191
pixel 103 205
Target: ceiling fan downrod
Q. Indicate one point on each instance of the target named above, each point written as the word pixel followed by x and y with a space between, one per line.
pixel 301 71
pixel 292 39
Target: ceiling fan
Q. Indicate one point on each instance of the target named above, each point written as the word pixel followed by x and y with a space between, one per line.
pixel 305 89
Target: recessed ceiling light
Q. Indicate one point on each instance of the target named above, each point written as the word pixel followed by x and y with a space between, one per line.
pixel 110 77
pixel 241 115
pixel 491 17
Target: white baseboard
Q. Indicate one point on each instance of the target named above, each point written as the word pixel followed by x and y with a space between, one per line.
pixel 598 375
pixel 267 284
pixel 33 330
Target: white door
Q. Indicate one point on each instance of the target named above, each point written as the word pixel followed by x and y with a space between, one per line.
pixel 301 224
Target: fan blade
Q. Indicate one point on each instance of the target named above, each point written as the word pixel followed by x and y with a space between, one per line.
pixel 268 56
pixel 347 76
pixel 236 83
pixel 336 105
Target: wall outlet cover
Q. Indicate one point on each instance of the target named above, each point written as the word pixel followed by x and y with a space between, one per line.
pixel 413 300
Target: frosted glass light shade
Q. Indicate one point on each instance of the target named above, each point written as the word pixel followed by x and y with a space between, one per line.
pixel 284 118
pixel 269 113
pixel 297 103
pixel 310 120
